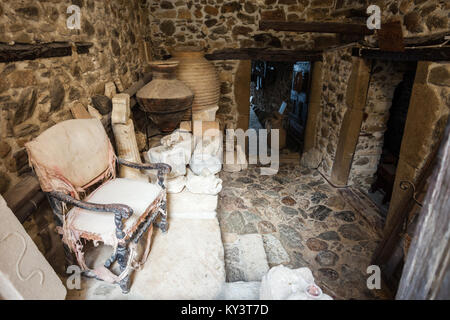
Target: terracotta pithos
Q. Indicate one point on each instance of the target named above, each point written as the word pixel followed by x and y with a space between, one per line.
pixel 165 99
pixel 198 74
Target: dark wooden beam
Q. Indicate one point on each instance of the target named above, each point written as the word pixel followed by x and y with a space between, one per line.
pixel 350 12
pixel 265 54
pixel 20 52
pixel 410 54
pixel 321 27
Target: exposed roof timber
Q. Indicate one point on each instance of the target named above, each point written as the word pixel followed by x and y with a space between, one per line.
pixel 321 27
pixel 20 52
pixel 265 54
pixel 350 12
pixel 410 54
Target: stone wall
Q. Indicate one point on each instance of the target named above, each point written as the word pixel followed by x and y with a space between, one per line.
pixel 232 24
pixel 385 77
pixel 222 24
pixel 336 70
pixel 227 112
pixel 418 17
pixel 35 95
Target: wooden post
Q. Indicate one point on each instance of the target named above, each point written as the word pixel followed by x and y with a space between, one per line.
pixel 351 125
pixel 314 107
pixel 426 274
pixel 242 93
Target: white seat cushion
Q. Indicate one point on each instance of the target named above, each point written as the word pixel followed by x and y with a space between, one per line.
pixel 134 193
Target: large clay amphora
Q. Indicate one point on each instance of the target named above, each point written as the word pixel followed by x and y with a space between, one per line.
pixel 199 75
pixel 165 99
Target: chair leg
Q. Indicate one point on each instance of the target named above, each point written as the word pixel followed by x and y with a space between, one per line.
pixel 122 259
pixel 163 225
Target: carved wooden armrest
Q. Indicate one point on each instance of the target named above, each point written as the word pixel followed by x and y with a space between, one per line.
pixel 121 211
pixel 162 168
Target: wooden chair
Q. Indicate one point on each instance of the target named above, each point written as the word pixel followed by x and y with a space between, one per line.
pixel 71 157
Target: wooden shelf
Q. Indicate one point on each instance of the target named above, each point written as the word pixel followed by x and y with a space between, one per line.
pixel 21 52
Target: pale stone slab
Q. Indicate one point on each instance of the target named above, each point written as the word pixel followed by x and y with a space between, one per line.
pixel 282 283
pixel 24 272
pixel 240 291
pixel 186 126
pixel 245 257
pixel 184 203
pixel 208 114
pixel 121 108
pixel 110 89
pixel 175 150
pixel 274 250
pixel 94 112
pixel 205 128
pixel 207 156
pixel 207 184
pixel 186 263
pixel 176 185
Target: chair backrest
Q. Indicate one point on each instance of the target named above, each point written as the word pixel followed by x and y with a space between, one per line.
pixel 71 155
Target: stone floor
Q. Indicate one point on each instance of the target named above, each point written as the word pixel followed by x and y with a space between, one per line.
pixel 300 210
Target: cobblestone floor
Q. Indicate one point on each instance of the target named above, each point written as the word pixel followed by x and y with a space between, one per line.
pixel 315 226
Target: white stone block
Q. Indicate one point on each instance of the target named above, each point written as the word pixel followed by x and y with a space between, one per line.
pixel 24 272
pixel 245 257
pixel 186 263
pixel 207 184
pixel 207 156
pixel 240 290
pixel 276 254
pixel 175 157
pixel 208 114
pixel 186 203
pixel 110 89
pixel 121 108
pixel 282 283
pixel 176 185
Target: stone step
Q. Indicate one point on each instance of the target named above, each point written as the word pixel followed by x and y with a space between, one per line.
pixel 245 257
pixel 191 205
pixel 240 291
pixel 186 263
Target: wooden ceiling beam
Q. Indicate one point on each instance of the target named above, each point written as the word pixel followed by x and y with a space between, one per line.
pixel 410 54
pixel 20 52
pixel 320 27
pixel 265 54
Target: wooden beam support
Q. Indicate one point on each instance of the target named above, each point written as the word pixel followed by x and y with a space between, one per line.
pixel 265 54
pixel 321 27
pixel 350 12
pixel 410 54
pixel 20 52
pixel 355 100
pixel 426 274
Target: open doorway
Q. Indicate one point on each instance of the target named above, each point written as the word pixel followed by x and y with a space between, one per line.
pixel 279 100
pixel 381 189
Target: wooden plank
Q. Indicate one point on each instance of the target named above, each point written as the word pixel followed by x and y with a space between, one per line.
pixel 350 12
pixel 390 37
pixel 79 111
pixel 426 274
pixel 392 234
pixel 320 27
pixel 410 54
pixel 18 195
pixel 20 52
pixel 265 54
